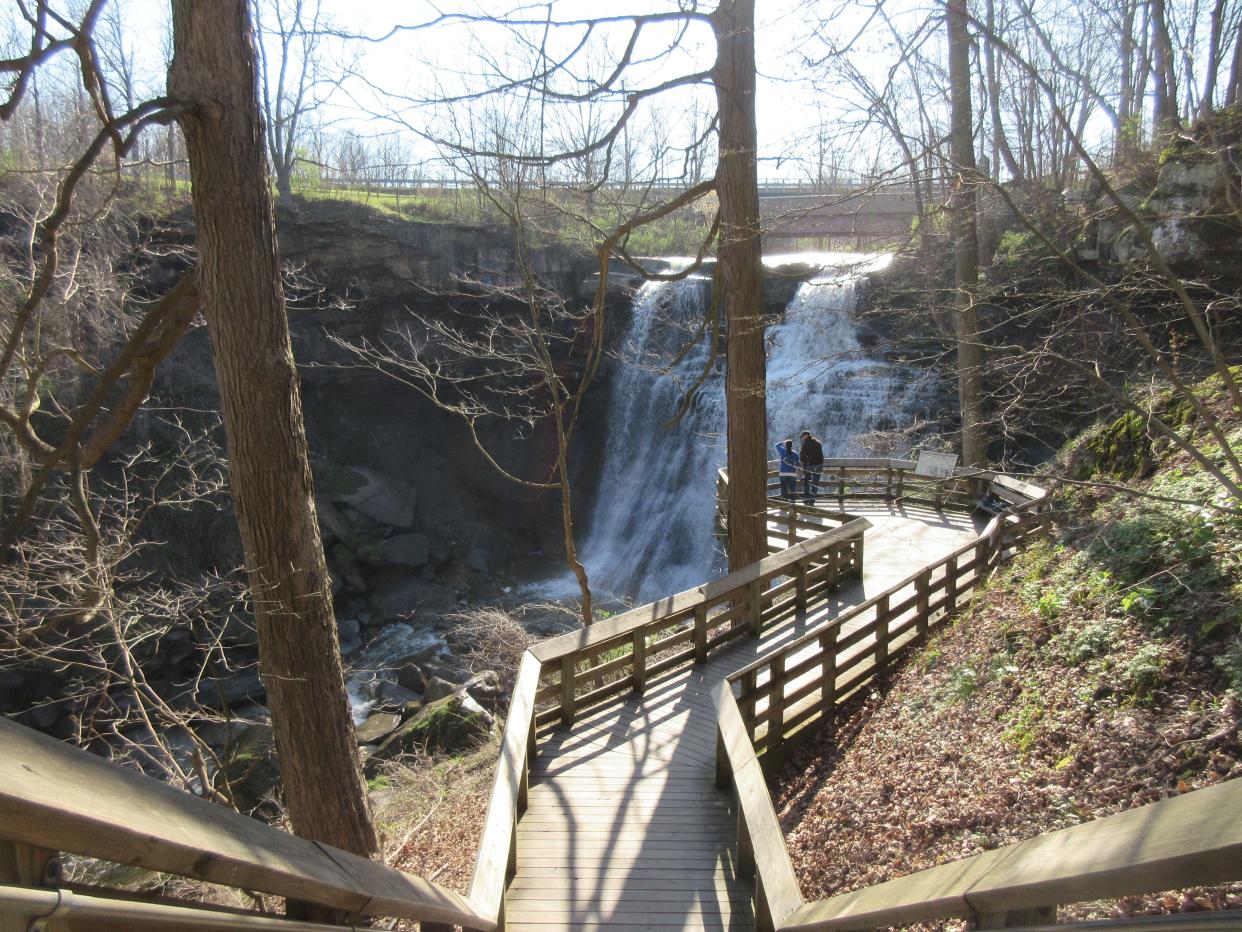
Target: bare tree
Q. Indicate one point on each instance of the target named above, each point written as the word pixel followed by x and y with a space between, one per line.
pixel 289 36
pixel 239 279
pixel 965 238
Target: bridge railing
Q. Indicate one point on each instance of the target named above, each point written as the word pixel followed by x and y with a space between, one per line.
pixel 762 707
pixel 560 678
pixel 56 798
pixel 895 480
pixel 620 654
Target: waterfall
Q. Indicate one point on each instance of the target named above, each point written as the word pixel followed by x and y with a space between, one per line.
pixel 650 531
pixel 822 379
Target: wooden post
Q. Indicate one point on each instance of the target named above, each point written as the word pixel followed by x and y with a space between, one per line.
pixel 511 865
pixel 755 598
pixel 763 911
pixel 639 677
pixel 745 851
pixel 888 482
pixel 901 482
pixel 776 703
pixel 856 547
pixel 950 586
pixel 841 487
pixel 800 587
pixel 532 743
pixel 834 567
pixel 922 587
pixel 881 633
pixel 828 671
pixel 747 704
pixel 523 793
pixel 700 634
pixel 26 866
pixel 792 516
pixel 567 691
pixel 981 561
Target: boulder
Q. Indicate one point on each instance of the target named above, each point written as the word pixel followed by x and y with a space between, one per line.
pixel 444 669
pixel 438 689
pixel 379 497
pixel 344 563
pixel 396 594
pixel 411 677
pixel 401 550
pixel 332 524
pixel 485 688
pixel 377 727
pixel 455 723
pixel 393 696
pixel 251 769
pixel 476 559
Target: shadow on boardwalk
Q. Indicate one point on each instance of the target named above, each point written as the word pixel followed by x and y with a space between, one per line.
pixel 624 828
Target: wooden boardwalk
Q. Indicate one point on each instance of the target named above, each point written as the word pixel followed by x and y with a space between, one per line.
pixel 624 827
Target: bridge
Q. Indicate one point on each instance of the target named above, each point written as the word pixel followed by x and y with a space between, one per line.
pixel 629 791
pixel 838 216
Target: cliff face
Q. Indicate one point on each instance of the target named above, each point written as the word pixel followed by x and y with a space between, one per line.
pixel 411 513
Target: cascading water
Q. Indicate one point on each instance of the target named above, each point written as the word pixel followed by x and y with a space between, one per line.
pixel 650 533
pixel 650 530
pixel 820 376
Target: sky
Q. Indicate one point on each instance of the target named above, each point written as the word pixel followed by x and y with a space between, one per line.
pixel 419 64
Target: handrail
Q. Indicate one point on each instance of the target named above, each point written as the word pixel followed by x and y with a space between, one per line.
pixel 497 857
pixel 1163 845
pixel 603 632
pixel 1171 843
pixel 55 796
pixel 842 478
pixel 815 566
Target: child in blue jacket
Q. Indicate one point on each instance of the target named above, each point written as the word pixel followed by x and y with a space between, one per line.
pixel 788 470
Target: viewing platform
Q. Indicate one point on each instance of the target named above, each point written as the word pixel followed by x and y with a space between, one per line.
pixel 629 791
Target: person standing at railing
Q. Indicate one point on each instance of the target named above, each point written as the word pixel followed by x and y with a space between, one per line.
pixel 788 469
pixel 812 456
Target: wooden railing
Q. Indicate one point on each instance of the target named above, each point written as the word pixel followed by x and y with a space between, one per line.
pixel 56 798
pixel 1188 840
pixel 760 708
pixel 782 693
pixel 620 654
pixel 895 480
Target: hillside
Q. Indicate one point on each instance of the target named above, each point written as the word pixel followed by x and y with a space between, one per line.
pixel 1100 670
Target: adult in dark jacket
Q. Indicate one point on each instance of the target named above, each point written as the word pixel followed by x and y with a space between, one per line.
pixel 812 456
pixel 788 469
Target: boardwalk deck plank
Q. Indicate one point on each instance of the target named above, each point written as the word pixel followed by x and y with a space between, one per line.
pixel 624 827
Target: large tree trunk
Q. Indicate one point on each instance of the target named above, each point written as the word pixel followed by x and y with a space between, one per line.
pixel 739 282
pixel 1164 117
pixel 239 281
pixel 999 140
pixel 965 237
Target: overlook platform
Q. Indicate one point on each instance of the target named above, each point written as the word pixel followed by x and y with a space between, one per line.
pixel 624 826
pixel 629 792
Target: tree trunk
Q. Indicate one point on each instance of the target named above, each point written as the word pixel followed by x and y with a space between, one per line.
pixel 239 282
pixel 1213 59
pixel 1164 117
pixel 739 281
pixel 965 237
pixel 999 139
pixel 1233 93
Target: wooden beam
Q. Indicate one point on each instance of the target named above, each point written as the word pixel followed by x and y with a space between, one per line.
pixel 59 797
